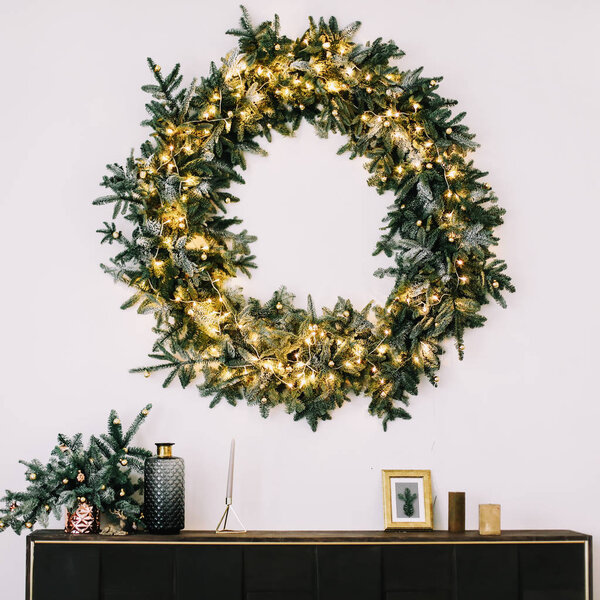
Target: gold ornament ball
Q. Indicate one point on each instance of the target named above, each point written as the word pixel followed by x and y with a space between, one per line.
pixel 495 284
pixel 103 487
pixel 449 130
pixel 33 477
pixel 326 45
pixel 126 450
pixel 277 47
pixel 429 166
pixel 204 256
pixel 419 223
pixel 65 481
pixel 436 379
pixel 334 112
pixel 331 363
pixel 346 313
pixel 28 525
pixel 116 421
pixel 461 346
pixel 1 524
pixel 227 200
pixel 123 461
pixel 146 373
pixel 157 68
pixel 47 508
pixel 82 499
pixel 145 411
pixel 263 400
pixel 279 306
pixel 116 235
pixel 122 492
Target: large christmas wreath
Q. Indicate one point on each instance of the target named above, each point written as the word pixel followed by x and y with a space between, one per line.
pixel 180 252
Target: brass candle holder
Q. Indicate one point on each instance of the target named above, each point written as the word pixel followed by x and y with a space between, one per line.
pixel 456 512
pixel 489 519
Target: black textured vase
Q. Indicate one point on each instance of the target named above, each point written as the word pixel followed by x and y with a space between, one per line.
pixel 164 491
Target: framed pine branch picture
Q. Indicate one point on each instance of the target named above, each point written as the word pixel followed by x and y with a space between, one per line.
pixel 407 500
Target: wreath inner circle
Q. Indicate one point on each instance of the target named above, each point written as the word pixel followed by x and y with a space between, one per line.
pixel 182 250
pixel 316 236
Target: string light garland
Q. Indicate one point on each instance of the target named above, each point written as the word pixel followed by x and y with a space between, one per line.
pixel 181 251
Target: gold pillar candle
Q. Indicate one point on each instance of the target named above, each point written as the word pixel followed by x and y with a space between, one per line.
pixel 489 519
pixel 456 512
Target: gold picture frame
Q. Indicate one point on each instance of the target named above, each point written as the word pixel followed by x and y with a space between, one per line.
pixel 415 498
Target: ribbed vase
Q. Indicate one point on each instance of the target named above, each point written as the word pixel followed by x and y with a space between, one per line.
pixel 164 492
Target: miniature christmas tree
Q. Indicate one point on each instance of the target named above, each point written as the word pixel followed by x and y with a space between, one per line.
pixel 106 474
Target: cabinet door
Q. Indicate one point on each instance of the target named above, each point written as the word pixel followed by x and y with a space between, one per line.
pixel 65 572
pixel 136 572
pixel 487 571
pixel 349 572
pixel 208 573
pixel 279 569
pixel 553 571
pixel 419 572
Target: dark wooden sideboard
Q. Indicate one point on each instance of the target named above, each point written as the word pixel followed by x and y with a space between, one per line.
pixel 309 565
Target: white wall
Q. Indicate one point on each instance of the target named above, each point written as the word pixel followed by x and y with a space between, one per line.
pixel 515 423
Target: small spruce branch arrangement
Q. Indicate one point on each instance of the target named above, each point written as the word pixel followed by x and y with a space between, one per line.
pixel 408 498
pixel 106 473
pixel 179 253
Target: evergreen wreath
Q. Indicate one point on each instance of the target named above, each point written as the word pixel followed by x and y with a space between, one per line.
pixel 181 251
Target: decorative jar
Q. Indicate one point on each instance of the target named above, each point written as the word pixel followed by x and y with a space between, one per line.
pixel 164 491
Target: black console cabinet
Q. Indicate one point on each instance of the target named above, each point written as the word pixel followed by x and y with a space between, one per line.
pixel 350 565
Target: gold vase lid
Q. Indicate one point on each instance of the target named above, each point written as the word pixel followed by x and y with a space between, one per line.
pixel 164 449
